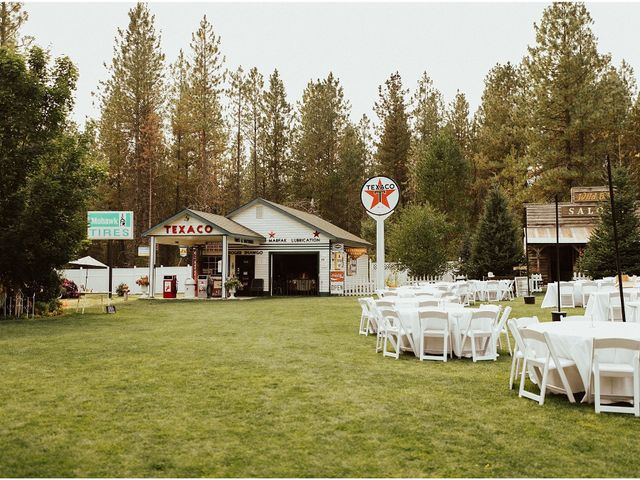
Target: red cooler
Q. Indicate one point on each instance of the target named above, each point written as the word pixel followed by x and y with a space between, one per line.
pixel 169 286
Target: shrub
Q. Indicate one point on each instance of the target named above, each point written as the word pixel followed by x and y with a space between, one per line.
pixel 143 281
pixel 69 289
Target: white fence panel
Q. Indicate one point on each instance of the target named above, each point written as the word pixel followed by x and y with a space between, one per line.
pixel 98 279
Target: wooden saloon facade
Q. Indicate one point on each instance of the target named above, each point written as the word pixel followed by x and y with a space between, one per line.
pixel 577 219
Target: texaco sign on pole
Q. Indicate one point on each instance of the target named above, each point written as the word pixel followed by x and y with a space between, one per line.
pixel 380 196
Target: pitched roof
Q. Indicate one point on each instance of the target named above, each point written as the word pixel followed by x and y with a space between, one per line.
pixel 312 220
pixel 222 223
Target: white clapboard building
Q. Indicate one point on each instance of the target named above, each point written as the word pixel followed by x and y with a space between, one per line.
pixel 271 248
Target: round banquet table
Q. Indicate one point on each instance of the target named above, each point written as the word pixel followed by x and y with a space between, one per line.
pixel 574 340
pixel 459 317
pixel 598 304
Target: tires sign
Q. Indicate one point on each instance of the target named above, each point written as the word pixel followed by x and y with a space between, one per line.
pixel 380 195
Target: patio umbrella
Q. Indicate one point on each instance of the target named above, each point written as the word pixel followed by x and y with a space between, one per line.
pixel 87 263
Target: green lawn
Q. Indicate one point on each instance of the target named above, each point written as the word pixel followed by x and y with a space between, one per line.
pixel 275 387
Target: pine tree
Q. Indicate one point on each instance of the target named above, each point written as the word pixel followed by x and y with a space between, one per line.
pixel 457 119
pixel 254 127
pixel 427 118
pixel 497 245
pixel 392 155
pixel 132 97
pixel 206 85
pixel 323 116
pixel 428 110
pixel 501 137
pixel 183 152
pixel 276 139
pixel 351 174
pixel 598 259
pixel 442 176
pixel 564 69
pixel 237 94
pixel 12 17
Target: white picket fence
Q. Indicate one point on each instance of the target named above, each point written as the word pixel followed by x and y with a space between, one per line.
pixel 393 274
pixel 97 279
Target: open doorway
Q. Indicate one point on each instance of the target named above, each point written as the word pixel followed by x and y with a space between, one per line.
pixel 294 273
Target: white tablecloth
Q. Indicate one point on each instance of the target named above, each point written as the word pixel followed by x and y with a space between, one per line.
pixel 551 297
pixel 598 304
pixel 574 340
pixel 459 317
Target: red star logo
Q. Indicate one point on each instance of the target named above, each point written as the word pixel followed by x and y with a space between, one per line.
pixel 380 195
pixel 272 234
pixel 316 233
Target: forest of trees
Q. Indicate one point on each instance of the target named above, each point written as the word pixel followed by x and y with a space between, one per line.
pixel 195 132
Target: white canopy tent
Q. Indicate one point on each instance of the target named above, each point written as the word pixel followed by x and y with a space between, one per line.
pixel 87 263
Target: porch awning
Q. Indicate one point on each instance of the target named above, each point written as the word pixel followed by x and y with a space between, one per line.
pixel 568 235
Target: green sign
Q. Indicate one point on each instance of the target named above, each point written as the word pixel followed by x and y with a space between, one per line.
pixel 110 225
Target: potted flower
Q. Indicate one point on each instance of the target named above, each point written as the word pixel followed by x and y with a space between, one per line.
pixel 232 284
pixel 143 283
pixel 123 290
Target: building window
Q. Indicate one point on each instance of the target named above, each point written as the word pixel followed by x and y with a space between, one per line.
pixel 259 211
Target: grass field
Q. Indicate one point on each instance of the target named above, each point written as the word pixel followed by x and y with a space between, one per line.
pixel 275 387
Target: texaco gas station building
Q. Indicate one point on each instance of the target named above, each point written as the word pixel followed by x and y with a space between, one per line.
pixel 271 248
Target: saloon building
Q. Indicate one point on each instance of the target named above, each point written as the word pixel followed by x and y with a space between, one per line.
pixel 576 219
pixel 271 248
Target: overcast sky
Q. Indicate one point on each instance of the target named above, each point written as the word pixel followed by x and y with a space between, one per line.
pixel 362 43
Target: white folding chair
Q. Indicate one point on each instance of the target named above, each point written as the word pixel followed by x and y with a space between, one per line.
pixel 575 318
pixel 365 315
pixel 615 305
pixel 518 352
pixel 495 309
pixel 493 291
pixel 630 369
pixel 434 324
pixel 384 303
pixel 539 353
pixel 588 288
pixel 394 334
pixel 480 327
pixel 428 303
pixel 566 295
pixel 501 328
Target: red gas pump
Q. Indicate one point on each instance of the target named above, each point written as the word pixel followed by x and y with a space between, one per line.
pixel 169 286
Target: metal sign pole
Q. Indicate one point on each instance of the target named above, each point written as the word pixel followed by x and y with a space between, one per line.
pixel 379 196
pixel 615 240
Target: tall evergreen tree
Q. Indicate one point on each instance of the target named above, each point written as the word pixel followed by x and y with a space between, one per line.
pixel 501 137
pixel 133 96
pixel 237 94
pixel 12 17
pixel 598 259
pixel 206 84
pixel 254 127
pixel 352 169
pixel 497 245
pixel 564 69
pixel 392 155
pixel 277 139
pixel 428 110
pixel 183 154
pixel 457 119
pixel 442 179
pixel 323 116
